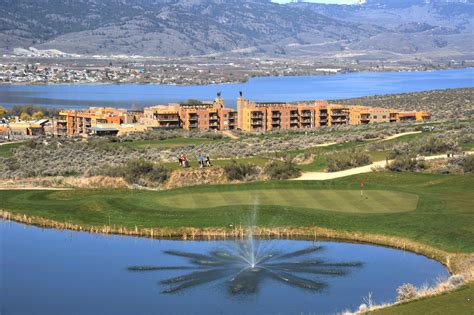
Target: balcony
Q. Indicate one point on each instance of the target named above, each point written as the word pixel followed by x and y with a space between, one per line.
pixel 256 123
pixel 165 120
pixel 257 116
pixel 193 125
pixel 213 117
pixel 340 114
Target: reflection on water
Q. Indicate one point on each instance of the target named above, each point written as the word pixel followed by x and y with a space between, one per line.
pixel 64 272
pixel 247 264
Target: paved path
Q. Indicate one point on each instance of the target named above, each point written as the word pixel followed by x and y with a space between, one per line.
pixel 398 135
pixel 230 135
pixel 326 144
pixel 359 170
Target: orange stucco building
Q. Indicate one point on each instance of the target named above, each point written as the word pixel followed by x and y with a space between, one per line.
pixel 257 116
pixel 211 115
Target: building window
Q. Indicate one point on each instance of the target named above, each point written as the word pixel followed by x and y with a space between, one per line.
pixel 375 117
pixel 384 116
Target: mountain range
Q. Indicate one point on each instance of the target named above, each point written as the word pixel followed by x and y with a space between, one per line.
pixel 241 27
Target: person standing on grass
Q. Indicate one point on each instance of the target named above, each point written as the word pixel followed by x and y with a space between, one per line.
pixel 201 160
pixel 208 161
pixel 184 160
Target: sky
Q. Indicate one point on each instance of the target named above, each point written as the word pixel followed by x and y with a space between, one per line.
pixel 322 1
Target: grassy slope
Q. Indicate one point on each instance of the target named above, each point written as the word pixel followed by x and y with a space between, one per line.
pixel 444 216
pixel 167 143
pixel 460 302
pixel 6 149
pixel 256 160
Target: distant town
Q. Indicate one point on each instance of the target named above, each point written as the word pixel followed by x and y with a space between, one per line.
pixel 185 71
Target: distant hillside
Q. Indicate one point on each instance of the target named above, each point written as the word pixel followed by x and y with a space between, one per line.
pixel 202 27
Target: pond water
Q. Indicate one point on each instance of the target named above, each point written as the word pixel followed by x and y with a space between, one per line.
pixel 57 272
pixel 258 89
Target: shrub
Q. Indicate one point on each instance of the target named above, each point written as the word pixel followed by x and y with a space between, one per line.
pixel 456 280
pixel 406 163
pixel 239 171
pixel 279 170
pixel 405 292
pixel 468 164
pixel 140 172
pixel 435 145
pixel 212 136
pixel 346 160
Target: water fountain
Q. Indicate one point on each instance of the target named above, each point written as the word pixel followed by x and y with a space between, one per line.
pixel 246 263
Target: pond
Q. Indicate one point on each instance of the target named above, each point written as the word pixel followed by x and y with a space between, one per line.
pixel 259 89
pixel 56 272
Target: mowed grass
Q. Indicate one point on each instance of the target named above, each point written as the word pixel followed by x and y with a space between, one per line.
pixel 459 302
pixel 372 201
pixel 167 143
pixel 255 160
pixel 444 214
pixel 6 150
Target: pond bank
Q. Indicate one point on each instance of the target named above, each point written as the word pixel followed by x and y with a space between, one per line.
pixel 456 263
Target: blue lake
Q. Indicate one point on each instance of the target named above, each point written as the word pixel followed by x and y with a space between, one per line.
pixel 46 271
pixel 258 89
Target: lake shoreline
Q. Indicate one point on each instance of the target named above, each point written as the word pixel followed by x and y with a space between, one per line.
pixel 230 82
pixel 246 80
pixel 456 264
pixel 452 261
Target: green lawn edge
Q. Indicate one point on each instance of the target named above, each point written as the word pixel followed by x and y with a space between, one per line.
pixel 458 302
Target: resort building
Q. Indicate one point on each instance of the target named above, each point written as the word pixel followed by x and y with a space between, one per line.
pixel 81 122
pixel 257 116
pixel 23 128
pixel 360 115
pixel 250 116
pixel 202 115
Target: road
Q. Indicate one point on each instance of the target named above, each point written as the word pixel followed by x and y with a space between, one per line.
pixel 359 170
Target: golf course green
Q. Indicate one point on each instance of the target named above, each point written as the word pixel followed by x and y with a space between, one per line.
pixel 372 201
pixel 432 209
